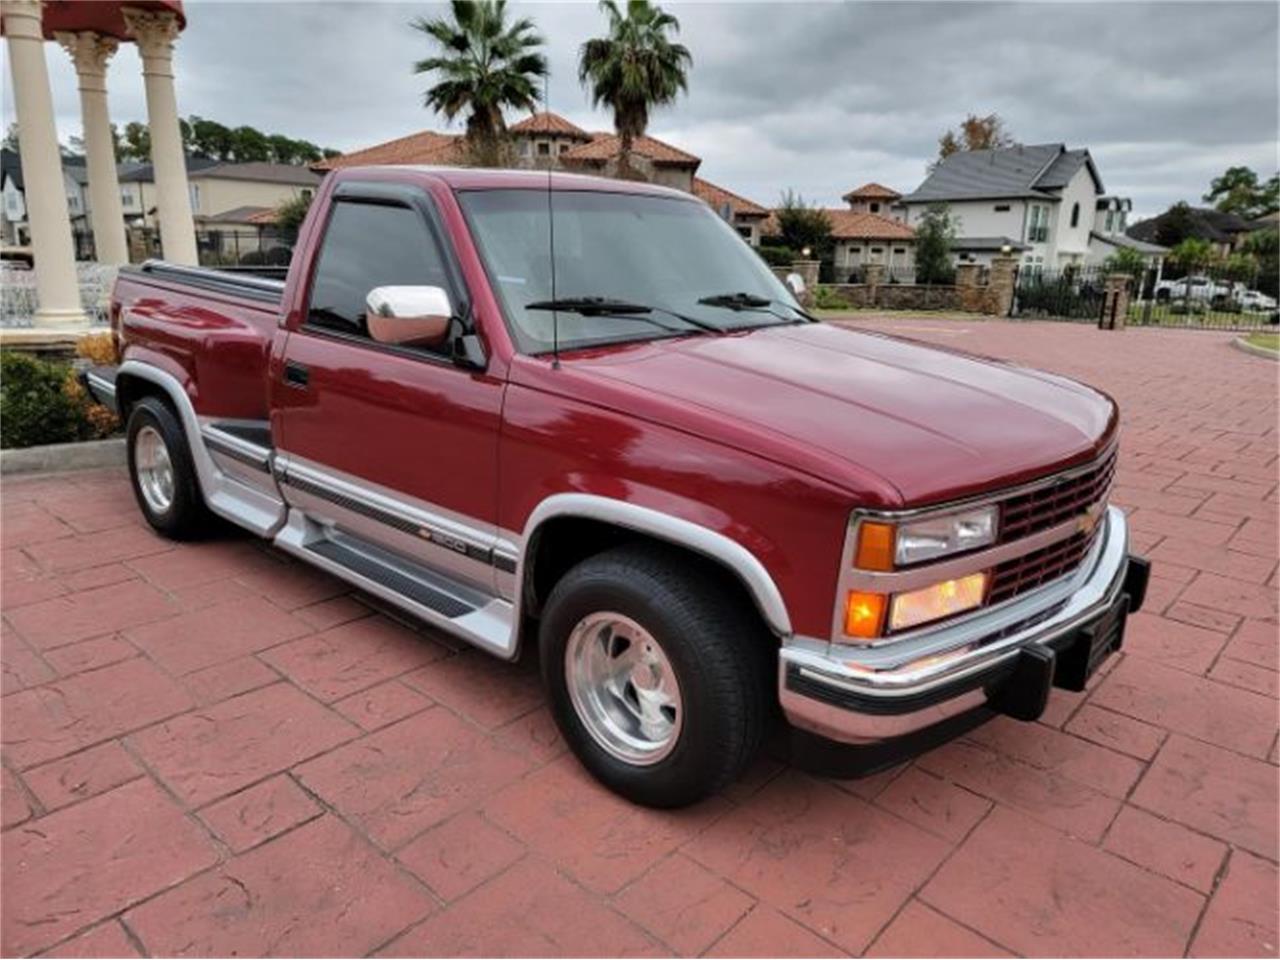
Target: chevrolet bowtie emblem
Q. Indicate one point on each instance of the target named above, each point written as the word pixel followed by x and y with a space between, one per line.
pixel 1089 519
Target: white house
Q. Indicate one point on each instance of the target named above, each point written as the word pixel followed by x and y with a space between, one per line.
pixel 1110 221
pixel 1037 201
pixel 13 203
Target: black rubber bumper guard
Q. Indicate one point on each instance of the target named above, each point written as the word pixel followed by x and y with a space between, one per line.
pixel 1018 688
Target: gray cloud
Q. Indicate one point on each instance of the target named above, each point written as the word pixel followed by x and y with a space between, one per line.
pixel 814 96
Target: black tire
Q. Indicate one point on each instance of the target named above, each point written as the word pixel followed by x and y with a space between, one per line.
pixel 720 651
pixel 186 517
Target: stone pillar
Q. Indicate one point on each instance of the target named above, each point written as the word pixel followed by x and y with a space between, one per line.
pixel 1115 301
pixel 155 33
pixel 57 289
pixel 873 277
pixel 1000 285
pixel 90 52
pixel 808 270
pixel 967 274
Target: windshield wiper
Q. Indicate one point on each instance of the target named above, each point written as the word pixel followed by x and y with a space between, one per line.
pixel 622 309
pixel 741 300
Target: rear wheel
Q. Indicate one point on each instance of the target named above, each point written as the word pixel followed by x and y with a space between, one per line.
pixel 658 676
pixel 163 475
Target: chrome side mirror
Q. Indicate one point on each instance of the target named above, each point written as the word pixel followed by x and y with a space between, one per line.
pixel 409 316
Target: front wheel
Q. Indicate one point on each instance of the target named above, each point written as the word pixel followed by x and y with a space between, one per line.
pixel 658 676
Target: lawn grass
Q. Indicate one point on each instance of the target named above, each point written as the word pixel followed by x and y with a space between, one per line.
pixel 1265 341
pixel 1163 315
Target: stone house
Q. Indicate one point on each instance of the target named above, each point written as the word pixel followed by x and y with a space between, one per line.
pixel 873 229
pixel 547 141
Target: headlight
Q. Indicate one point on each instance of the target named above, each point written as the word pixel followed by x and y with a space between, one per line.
pixel 944 535
pixel 884 546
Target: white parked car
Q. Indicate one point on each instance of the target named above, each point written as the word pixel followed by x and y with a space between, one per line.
pixel 1255 300
pixel 1194 287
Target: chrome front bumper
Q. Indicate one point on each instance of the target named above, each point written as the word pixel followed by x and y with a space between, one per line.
pixel 862 695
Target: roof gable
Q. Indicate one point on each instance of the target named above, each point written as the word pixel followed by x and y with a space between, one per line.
pixel 872 191
pixel 549 123
pixel 716 197
pixel 424 147
pixel 608 146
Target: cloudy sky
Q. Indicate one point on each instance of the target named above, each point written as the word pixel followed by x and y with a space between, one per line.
pixel 818 97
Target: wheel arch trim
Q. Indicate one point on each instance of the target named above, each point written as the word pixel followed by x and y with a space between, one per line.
pixel 730 554
pixel 224 495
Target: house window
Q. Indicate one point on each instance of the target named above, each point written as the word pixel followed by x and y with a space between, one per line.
pixel 564 148
pixel 544 149
pixel 524 148
pixel 877 250
pixel 875 208
pixel 744 232
pixel 194 190
pixel 1038 224
pixel 1111 221
pixel 1120 218
pixel 1075 215
pixel 899 249
pixel 1002 208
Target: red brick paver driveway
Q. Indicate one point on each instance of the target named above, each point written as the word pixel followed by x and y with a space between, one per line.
pixel 208 749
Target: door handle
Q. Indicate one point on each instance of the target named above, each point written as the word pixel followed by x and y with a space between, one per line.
pixel 296 375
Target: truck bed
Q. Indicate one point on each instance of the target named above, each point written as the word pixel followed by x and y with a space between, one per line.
pixel 211 328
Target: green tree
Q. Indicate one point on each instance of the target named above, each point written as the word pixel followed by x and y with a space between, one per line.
pixel 1126 260
pixel 249 145
pixel 290 214
pixel 935 234
pixel 211 139
pixel 483 65
pixel 975 133
pixel 634 69
pixel 1239 191
pixel 137 141
pixel 1176 224
pixel 1264 246
pixel 802 226
pixel 1193 254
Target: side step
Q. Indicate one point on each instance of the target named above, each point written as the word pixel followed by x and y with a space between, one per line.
pixel 457 608
pixel 402 576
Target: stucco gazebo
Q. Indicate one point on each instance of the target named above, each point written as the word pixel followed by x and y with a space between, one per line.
pixel 91 31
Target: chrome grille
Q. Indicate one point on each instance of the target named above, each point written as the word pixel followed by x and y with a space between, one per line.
pixel 1054 503
pixel 1017 576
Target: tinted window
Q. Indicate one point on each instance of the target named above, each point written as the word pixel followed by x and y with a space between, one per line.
pixel 370 245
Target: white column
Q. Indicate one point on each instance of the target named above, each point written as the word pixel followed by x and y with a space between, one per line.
pixel 155 33
pixel 90 52
pixel 46 198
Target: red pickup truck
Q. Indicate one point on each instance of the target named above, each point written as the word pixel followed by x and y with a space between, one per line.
pixel 582 416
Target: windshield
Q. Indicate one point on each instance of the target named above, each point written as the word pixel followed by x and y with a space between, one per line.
pixel 659 252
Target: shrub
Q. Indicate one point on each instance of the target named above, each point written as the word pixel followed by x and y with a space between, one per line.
pixel 99 349
pixel 777 256
pixel 43 402
pixel 253 258
pixel 825 298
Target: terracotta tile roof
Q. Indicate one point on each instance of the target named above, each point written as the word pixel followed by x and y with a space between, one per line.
pixel 716 197
pixel 847 225
pixel 605 147
pixel 426 147
pixel 872 191
pixel 548 122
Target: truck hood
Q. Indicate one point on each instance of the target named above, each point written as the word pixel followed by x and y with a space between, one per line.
pixel 852 407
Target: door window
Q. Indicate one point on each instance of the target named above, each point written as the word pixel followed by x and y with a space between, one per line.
pixel 370 245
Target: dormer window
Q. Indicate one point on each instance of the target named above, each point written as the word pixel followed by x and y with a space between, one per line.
pixel 875 208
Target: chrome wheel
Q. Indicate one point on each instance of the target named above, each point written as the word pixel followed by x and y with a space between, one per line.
pixel 623 688
pixel 154 469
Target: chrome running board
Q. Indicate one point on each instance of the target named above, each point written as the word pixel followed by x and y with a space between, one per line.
pixel 456 608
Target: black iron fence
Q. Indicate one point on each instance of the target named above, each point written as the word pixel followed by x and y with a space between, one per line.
pixel 1211 300
pixel 1073 293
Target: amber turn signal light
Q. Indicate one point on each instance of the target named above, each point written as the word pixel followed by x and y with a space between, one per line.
pixel 875 546
pixel 864 614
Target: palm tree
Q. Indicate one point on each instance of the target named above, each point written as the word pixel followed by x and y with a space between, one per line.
pixel 634 69
pixel 484 64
